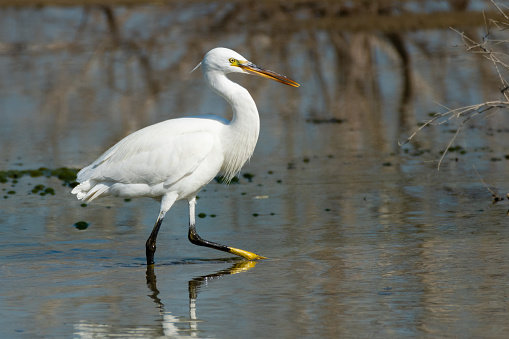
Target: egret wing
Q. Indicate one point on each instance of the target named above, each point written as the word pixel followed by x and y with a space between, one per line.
pixel 155 154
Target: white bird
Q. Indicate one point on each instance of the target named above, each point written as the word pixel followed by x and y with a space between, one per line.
pixel 174 159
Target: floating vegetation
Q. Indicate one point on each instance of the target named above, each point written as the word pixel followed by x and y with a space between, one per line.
pixel 66 175
pixel 220 180
pixel 417 152
pixel 248 176
pixel 42 190
pixel 81 225
pixel 457 149
pixel 204 215
pixel 325 121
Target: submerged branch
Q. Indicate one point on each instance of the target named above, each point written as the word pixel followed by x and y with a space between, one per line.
pixel 496 197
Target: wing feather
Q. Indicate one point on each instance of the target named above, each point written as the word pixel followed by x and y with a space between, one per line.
pixel 163 152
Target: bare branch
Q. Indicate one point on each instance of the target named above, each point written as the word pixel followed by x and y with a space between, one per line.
pixel 499 9
pixel 486 49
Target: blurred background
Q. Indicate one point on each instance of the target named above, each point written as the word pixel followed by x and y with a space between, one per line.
pixel 76 79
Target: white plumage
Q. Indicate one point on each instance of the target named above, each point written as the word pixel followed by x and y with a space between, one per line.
pixel 175 159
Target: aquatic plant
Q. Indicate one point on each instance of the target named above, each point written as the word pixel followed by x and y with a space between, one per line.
pixel 66 175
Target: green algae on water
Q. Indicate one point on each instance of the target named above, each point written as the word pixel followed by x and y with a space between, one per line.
pixel 43 190
pixel 66 175
pixel 248 176
pixel 81 225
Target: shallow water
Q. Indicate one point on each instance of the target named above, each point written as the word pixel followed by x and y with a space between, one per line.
pixel 364 238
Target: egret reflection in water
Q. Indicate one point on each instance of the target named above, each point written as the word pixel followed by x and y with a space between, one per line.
pixel 170 324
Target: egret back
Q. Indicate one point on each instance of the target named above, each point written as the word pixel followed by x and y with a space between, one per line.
pixel 161 154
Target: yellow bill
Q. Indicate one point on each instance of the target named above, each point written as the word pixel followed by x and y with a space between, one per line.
pixel 252 68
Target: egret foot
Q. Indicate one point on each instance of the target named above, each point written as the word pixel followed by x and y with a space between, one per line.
pixel 197 240
pixel 245 254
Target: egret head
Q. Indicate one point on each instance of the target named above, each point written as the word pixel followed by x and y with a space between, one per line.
pixel 226 61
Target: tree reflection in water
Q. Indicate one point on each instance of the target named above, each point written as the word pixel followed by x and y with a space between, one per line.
pixel 378 65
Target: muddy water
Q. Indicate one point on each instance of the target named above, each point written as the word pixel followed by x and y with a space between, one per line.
pixel 364 238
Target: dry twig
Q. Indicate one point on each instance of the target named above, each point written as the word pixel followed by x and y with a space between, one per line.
pixel 486 49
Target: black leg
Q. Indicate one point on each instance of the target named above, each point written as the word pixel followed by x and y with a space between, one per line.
pixel 197 240
pixel 150 246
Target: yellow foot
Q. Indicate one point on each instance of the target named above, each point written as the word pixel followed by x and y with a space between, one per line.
pixel 245 254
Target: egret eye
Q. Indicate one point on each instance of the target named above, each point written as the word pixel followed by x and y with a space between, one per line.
pixel 233 61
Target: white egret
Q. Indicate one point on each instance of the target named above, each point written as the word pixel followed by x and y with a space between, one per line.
pixel 174 159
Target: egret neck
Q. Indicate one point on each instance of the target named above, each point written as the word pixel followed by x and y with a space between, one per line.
pixel 241 134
